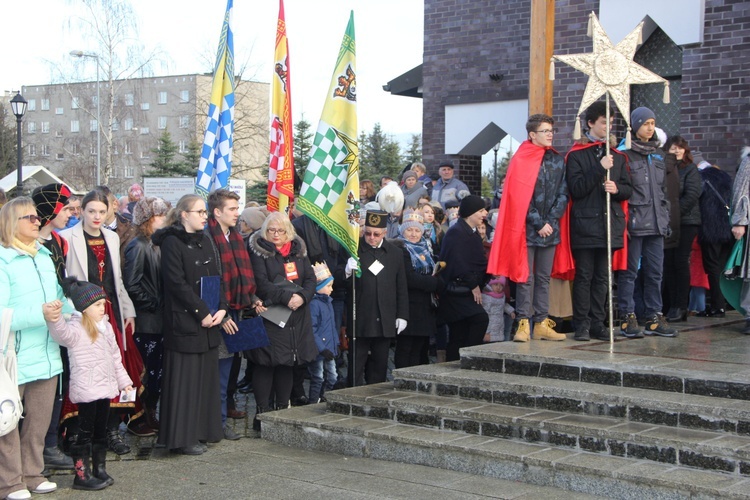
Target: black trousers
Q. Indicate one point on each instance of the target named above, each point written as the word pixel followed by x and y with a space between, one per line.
pixel 677 270
pixel 411 350
pixel 590 287
pixel 369 358
pixel 92 419
pixel 234 372
pixel 466 333
pixel 273 381
pixel 715 256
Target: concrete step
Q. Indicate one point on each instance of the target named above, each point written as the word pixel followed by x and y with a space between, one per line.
pixel 707 450
pixel 630 404
pixel 310 427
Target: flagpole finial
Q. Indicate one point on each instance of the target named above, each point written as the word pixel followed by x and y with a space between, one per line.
pixel 552 68
pixel 665 97
pixel 589 27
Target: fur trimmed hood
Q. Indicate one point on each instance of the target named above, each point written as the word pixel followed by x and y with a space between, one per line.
pixel 264 248
pixel 160 235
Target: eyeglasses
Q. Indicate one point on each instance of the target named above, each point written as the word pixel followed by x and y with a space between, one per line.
pixel 373 234
pixel 33 218
pixel 273 230
pixel 202 213
pixel 548 131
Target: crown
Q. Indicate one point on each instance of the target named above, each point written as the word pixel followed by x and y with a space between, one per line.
pixel 321 271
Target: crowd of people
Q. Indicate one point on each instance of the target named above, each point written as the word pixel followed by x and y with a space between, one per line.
pixel 123 309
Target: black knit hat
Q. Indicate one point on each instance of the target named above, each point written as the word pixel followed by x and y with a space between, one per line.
pixel 82 293
pixel 49 200
pixel 470 205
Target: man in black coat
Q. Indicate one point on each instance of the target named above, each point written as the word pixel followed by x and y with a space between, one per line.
pixel 382 301
pixel 586 167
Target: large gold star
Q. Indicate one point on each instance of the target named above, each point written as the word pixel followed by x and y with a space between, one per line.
pixel 611 69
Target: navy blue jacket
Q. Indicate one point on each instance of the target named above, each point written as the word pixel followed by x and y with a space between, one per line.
pixel 324 324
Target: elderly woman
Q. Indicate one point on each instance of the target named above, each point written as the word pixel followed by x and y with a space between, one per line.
pixel 412 344
pixel 284 277
pixel 413 190
pixel 142 279
pixel 27 280
pixel 190 409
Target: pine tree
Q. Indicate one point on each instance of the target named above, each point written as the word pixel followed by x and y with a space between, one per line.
pixel 191 158
pixel 414 150
pixel 303 142
pixel 7 143
pixel 164 164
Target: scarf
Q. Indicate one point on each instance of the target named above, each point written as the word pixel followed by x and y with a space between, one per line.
pixel 32 249
pixel 644 148
pixel 421 259
pixel 237 274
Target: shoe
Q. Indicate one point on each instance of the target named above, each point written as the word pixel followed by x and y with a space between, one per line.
pixel 246 390
pixel 115 442
pixel 545 330
pixel 99 462
pixel 196 449
pixel 236 414
pixel 230 434
pixel 523 333
pixel 599 332
pixel 746 329
pixel 54 458
pixel 84 478
pixel 718 313
pixel 243 383
pixel 141 428
pixel 300 401
pixel 582 335
pixel 657 325
pixel 629 327
pixel 23 494
pixel 677 315
pixel 45 487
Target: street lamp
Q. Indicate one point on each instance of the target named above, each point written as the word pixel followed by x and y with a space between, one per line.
pixel 80 53
pixel 495 148
pixel 18 105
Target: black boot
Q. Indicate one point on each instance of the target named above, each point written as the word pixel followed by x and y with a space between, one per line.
pixel 99 462
pixel 115 442
pixel 256 422
pixel 84 480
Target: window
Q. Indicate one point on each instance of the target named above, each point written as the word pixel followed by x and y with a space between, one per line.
pixel 58 111
pixel 144 155
pixel 184 96
pixel 32 149
pixel 128 99
pixel 74 103
pixel 45 127
pixel 31 126
pixel 92 149
pixel 58 133
pixel 115 125
pixel 32 105
pixel 60 156
pixel 93 125
pixel 115 149
pixel 127 124
pixel 162 122
pixel 162 97
pixel 144 130
pixel 145 106
pixel 75 149
pixel 45 104
pixel 128 148
pixel 184 121
pixel 75 126
pixel 95 101
pixel 128 172
pixel 182 148
pixel 45 150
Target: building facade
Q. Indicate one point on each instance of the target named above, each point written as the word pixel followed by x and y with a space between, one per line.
pixel 60 127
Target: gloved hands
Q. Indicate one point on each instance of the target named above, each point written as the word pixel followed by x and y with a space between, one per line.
pixel 351 266
pixel 400 325
pixel 327 355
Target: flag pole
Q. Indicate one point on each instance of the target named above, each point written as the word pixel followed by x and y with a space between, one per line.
pixel 608 211
pixel 353 348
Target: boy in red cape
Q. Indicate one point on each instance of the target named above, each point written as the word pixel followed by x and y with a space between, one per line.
pixel 528 231
pixel 586 166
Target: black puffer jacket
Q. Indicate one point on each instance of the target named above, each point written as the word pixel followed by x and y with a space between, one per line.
pixel 714 206
pixel 295 342
pixel 548 202
pixel 142 278
pixel 585 177
pixel 690 192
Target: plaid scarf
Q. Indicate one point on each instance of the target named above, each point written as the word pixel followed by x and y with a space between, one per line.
pixel 237 273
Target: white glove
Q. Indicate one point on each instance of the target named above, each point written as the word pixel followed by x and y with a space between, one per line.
pixel 351 266
pixel 400 325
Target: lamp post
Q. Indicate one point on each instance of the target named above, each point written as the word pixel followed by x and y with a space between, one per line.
pixel 495 148
pixel 18 105
pixel 80 53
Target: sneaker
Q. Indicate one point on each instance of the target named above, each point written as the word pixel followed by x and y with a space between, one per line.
pixel 599 332
pixel 523 333
pixel 582 335
pixel 657 325
pixel 629 327
pixel 545 330
pixel 45 487
pixel 230 435
pixel 19 495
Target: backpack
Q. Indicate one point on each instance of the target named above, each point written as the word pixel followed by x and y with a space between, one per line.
pixel 11 407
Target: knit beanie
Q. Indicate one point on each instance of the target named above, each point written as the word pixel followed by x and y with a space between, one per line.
pixel 145 208
pixel 49 200
pixel 411 218
pixel 253 217
pixel 82 293
pixel 470 205
pixel 409 173
pixel 639 116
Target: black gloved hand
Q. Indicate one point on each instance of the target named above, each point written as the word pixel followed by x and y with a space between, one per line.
pixel 327 355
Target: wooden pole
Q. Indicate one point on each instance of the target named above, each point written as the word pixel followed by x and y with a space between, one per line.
pixel 540 52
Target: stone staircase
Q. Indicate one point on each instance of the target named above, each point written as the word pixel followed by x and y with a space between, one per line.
pixel 627 421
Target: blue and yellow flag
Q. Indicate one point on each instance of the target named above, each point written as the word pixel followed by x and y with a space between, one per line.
pixel 330 190
pixel 216 156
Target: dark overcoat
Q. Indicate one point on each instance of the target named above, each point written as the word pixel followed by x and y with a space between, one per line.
pixel 421 287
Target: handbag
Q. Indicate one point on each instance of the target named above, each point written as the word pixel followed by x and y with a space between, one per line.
pixel 251 334
pixel 11 406
pixel 733 267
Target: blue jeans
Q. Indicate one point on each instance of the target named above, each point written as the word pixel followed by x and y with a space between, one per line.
pixel 225 366
pixel 649 252
pixel 316 369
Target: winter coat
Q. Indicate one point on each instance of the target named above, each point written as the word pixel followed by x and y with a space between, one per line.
pixel 25 284
pixel 548 202
pixel 714 204
pixel 324 324
pixel 585 178
pixel 96 370
pixel 443 192
pixel 741 207
pixel 381 298
pixel 294 343
pixel 672 180
pixel 142 279
pixel 412 196
pixel 496 309
pixel 691 186
pixel 421 288
pixel 185 259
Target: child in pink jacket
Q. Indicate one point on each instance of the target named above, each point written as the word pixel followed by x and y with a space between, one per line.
pixel 96 376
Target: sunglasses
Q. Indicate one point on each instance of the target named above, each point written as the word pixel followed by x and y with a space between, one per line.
pixel 33 218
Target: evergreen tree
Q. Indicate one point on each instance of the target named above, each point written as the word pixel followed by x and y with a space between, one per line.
pixel 164 164
pixel 414 150
pixel 303 142
pixel 379 155
pixel 258 191
pixel 192 157
pixel 7 143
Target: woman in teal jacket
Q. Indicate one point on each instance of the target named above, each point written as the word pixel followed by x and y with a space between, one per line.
pixel 27 280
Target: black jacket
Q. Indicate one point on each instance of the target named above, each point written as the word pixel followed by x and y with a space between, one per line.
pixel 691 186
pixel 648 205
pixel 185 259
pixel 294 343
pixel 421 288
pixel 548 202
pixel 585 178
pixel 714 204
pixel 142 278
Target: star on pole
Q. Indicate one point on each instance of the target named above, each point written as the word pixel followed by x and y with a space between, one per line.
pixel 611 69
